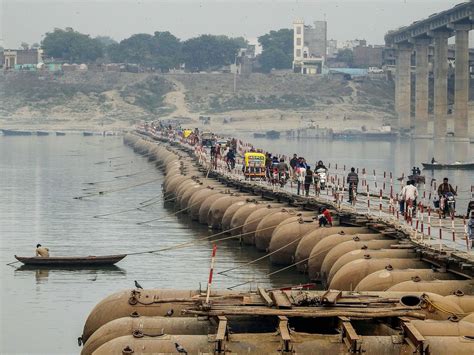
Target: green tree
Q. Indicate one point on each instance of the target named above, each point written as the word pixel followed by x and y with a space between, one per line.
pixel 35 45
pixel 71 46
pixel 274 58
pixel 210 52
pixel 24 45
pixel 167 50
pixel 105 40
pixel 346 56
pixel 161 50
pixel 277 50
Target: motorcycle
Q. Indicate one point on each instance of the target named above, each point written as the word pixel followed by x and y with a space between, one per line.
pixel 321 177
pixel 448 204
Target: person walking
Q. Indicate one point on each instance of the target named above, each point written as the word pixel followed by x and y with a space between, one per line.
pixel 300 177
pixel 308 180
pixel 352 181
pixel 470 207
pixel 230 157
pixel 410 196
pixel 293 164
pixel 470 229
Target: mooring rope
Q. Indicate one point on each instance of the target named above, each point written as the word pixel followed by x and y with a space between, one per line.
pixel 116 190
pixel 262 257
pixel 181 245
pixel 135 208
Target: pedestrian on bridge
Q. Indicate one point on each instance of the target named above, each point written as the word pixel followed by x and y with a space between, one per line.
pixel 352 181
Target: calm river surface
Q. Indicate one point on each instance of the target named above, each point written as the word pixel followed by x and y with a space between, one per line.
pixel 43 311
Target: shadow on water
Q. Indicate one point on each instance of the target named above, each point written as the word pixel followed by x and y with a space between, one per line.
pixel 92 273
pixel 110 269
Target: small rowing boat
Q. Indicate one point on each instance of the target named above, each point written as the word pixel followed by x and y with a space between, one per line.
pixel 14 132
pixel 455 165
pixel 71 260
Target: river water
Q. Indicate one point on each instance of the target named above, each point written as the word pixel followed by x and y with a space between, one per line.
pixel 43 311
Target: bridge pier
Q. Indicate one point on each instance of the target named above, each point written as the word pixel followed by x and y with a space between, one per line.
pixel 403 86
pixel 421 88
pixel 440 83
pixel 438 27
pixel 461 82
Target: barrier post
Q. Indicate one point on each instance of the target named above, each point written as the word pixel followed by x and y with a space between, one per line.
pixel 429 221
pixel 466 236
pixel 368 199
pixel 380 203
pixel 453 231
pixel 211 271
pixel 440 234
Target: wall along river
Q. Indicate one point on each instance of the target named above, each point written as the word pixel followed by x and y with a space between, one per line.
pixel 43 310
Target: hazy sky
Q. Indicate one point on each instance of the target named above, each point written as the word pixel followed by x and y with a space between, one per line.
pixel 28 20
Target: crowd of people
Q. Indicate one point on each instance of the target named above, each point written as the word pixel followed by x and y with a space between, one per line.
pixel 278 171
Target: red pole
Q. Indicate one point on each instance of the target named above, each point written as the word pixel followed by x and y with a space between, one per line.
pixel 211 272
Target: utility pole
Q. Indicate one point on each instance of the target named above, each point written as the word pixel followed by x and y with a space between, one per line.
pixel 235 73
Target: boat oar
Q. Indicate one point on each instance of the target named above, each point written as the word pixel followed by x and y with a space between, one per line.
pixel 13 262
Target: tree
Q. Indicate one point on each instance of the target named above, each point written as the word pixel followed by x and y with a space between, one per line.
pixel 105 40
pixel 274 58
pixel 277 50
pixel 346 56
pixel 35 45
pixel 167 50
pixel 209 51
pixel 25 45
pixel 161 50
pixel 71 46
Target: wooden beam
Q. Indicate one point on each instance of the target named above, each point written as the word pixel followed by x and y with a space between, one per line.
pixel 331 296
pixel 350 337
pixel 221 335
pixel 285 334
pixel 281 300
pixel 414 338
pixel 261 291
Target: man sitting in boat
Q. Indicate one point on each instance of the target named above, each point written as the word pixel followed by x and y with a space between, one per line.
pixel 42 251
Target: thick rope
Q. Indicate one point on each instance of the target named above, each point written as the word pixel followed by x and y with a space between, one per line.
pixel 119 189
pixel 133 209
pixel 262 257
pixel 426 298
pixel 181 245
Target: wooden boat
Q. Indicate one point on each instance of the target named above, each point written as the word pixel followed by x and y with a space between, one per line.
pixel 87 134
pixel 60 133
pixel 259 135
pixel 71 260
pixel 14 132
pixel 455 165
pixel 42 133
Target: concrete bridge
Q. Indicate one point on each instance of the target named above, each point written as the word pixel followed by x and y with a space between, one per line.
pixel 417 37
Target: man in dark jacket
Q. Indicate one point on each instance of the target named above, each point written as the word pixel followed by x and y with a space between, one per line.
pixel 352 181
pixel 293 163
pixel 445 188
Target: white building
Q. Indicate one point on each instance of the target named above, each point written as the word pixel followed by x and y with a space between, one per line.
pixel 309 45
